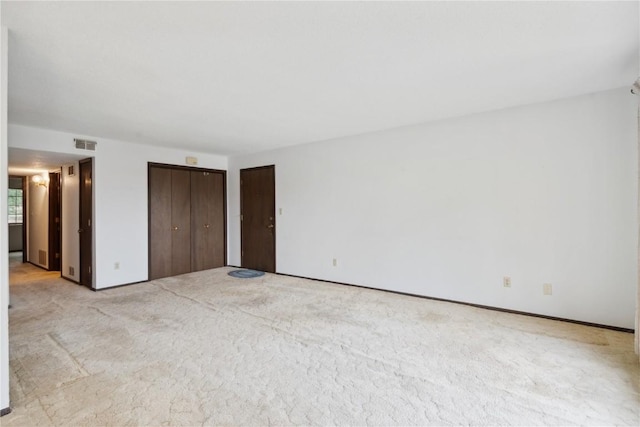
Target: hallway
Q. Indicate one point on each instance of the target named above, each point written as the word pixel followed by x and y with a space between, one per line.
pixel 21 273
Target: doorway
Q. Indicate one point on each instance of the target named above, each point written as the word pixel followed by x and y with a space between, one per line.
pixel 257 218
pixel 85 229
pixel 54 221
pixel 17 206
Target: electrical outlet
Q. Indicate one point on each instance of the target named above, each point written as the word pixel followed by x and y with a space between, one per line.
pixel 547 289
pixel 116 266
pixel 506 281
pixel 335 262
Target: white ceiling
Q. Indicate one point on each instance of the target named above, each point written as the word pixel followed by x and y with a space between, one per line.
pixel 29 162
pixel 238 77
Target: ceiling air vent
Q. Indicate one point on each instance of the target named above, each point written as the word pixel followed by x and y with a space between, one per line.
pixel 85 144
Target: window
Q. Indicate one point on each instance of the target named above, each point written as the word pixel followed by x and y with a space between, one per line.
pixel 15 206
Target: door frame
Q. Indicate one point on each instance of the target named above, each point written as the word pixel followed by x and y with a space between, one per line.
pixel 189 168
pixel 275 260
pixel 90 285
pixel 55 236
pixel 25 217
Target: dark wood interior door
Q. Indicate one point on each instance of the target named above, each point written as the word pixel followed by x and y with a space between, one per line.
pixel 180 221
pixel 54 221
pixel 258 213
pixel 160 227
pixel 207 220
pixel 86 227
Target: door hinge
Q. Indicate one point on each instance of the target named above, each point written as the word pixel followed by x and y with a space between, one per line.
pixel 242 253
pixel 89 222
pixel 241 217
pixel 89 270
pixel 57 255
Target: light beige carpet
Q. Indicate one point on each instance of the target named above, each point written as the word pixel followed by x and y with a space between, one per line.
pixel 208 349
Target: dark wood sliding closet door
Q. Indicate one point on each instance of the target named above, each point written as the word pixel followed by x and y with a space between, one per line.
pixel 207 220
pixel 159 223
pixel 187 220
pixel 180 222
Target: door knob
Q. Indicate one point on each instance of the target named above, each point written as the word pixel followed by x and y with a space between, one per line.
pixel 270 226
pixel 175 228
pixel 206 226
pixel 80 230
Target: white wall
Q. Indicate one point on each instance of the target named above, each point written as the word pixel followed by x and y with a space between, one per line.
pixel 4 243
pixel 70 240
pixel 38 222
pixel 120 196
pixel 637 323
pixel 543 193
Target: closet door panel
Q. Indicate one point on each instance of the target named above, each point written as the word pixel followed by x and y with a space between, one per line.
pixel 201 205
pixel 207 220
pixel 159 223
pixel 181 221
pixel 218 221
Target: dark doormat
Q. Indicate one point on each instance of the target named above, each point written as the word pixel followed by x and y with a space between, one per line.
pixel 245 274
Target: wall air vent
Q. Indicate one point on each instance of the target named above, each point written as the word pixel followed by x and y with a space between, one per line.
pixel 85 144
